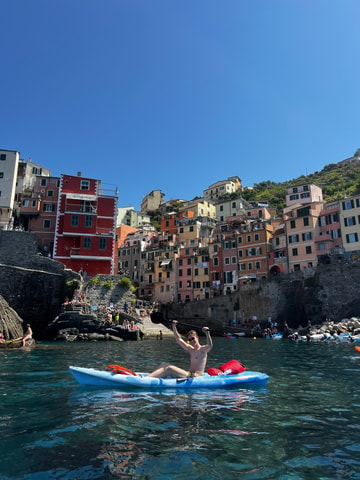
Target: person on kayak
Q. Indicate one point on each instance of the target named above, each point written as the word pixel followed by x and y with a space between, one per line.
pixel 198 355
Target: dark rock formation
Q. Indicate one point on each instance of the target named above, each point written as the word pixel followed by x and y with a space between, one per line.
pixel 33 285
pixel 77 325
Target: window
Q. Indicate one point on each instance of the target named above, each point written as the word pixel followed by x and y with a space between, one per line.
pixel 240 253
pixel 305 195
pixel 306 236
pixel 306 221
pixel 239 239
pixel 277 241
pixel 242 266
pixel 215 248
pixel 233 204
pixel 196 271
pixel 221 208
pixel 1 174
pixel 308 249
pixel 295 252
pixel 249 238
pixel 257 265
pixel 181 229
pixel 294 197
pixel 43 182
pixel 221 218
pixel 102 243
pixel 227 261
pixel 303 212
pixel 2 156
pixel 74 220
pixel 292 224
pixel 50 193
pixel 188 283
pixel 351 237
pixel 84 185
pixel 293 238
pixel 216 262
pixel 250 266
pixel 233 260
pixel 87 242
pixel 47 224
pixel 49 207
pixel 189 261
pixel 349 221
pixel 188 271
pixel 180 273
pixel 191 229
pixel 348 204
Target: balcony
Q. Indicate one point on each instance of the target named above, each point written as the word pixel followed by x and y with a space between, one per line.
pixel 72 207
pixel 323 238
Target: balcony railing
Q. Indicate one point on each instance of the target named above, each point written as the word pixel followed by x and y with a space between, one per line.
pixel 77 208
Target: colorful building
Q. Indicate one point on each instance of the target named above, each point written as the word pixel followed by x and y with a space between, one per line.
pixel 328 239
pixel 350 226
pixel 85 226
pixel 38 212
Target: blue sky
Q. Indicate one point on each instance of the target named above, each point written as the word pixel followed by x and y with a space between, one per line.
pixel 177 94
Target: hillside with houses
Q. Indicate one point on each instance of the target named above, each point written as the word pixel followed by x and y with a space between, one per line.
pixel 187 250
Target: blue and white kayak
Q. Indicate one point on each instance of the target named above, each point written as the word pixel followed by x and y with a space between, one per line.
pixel 102 378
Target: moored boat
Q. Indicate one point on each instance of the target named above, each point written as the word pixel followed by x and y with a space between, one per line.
pixel 16 344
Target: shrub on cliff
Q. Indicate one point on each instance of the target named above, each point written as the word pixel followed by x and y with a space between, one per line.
pixel 125 282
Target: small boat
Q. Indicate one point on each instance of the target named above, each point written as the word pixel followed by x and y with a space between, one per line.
pixel 274 336
pixel 357 349
pixel 234 335
pixel 103 378
pixel 16 344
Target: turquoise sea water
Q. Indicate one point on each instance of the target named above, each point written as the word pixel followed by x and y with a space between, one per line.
pixel 304 425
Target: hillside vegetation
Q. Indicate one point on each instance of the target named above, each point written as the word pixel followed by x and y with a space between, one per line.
pixel 336 180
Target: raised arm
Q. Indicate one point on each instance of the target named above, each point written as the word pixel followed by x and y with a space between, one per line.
pixel 209 342
pixel 178 337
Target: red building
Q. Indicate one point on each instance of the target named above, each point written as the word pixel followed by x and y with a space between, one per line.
pixel 85 226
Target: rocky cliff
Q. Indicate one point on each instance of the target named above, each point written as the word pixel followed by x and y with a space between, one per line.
pixel 33 285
